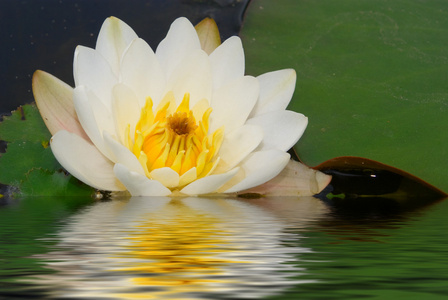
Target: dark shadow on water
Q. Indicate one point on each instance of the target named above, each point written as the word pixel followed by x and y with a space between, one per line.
pixel 357 193
pixel 370 219
pixel 377 208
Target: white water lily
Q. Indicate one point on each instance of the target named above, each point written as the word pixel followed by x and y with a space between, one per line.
pixel 176 120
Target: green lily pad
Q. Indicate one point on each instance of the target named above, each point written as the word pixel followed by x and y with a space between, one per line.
pixel 23 156
pixel 29 164
pixel 45 183
pixel 371 77
pixel 24 124
pixel 28 140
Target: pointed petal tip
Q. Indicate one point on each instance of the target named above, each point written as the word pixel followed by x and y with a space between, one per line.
pixel 114 37
pixel 276 91
pixel 37 79
pixel 208 34
pixel 113 18
pixel 54 99
pixel 182 20
pixel 115 23
pixel 180 42
pixel 38 73
pixel 292 71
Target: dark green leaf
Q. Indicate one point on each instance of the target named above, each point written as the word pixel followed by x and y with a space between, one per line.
pixel 24 124
pixel 29 163
pixel 22 156
pixel 44 183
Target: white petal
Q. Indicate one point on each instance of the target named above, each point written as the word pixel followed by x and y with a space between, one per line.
pixel 227 62
pixel 83 160
pixel 199 108
pixel 87 118
pixel 282 129
pixel 93 71
pixel 233 103
pixel 180 41
pixel 208 184
pixel 141 71
pixel 237 145
pixel 167 176
pixel 126 110
pixel 114 37
pixel 54 98
pixel 122 154
pixel 276 90
pixel 193 76
pixel 139 185
pixel 295 179
pixel 103 114
pixel 261 167
pixel 188 176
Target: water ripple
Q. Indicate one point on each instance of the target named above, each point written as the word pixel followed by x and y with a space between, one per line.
pixel 192 248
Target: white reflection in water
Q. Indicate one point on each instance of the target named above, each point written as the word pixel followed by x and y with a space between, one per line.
pixel 191 248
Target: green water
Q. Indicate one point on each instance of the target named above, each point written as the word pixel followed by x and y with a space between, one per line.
pixel 215 248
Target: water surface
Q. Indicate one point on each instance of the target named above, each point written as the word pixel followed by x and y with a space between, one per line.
pixel 219 248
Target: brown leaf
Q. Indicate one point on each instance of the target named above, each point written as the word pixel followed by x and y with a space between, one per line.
pixel 362 176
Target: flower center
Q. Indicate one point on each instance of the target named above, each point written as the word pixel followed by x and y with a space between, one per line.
pixel 171 137
pixel 181 124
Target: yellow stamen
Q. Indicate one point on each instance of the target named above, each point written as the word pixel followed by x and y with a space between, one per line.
pixel 171 137
pixel 143 159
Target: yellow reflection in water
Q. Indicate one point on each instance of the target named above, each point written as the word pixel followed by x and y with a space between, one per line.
pixel 177 247
pixel 190 248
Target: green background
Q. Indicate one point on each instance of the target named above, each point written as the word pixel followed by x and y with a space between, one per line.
pixel 371 77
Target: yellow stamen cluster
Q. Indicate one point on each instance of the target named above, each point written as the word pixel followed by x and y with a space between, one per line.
pixel 172 138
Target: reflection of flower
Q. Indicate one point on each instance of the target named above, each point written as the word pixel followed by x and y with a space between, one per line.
pixel 161 248
pixel 174 120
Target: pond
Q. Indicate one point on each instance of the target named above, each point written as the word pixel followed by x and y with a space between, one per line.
pixel 220 248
